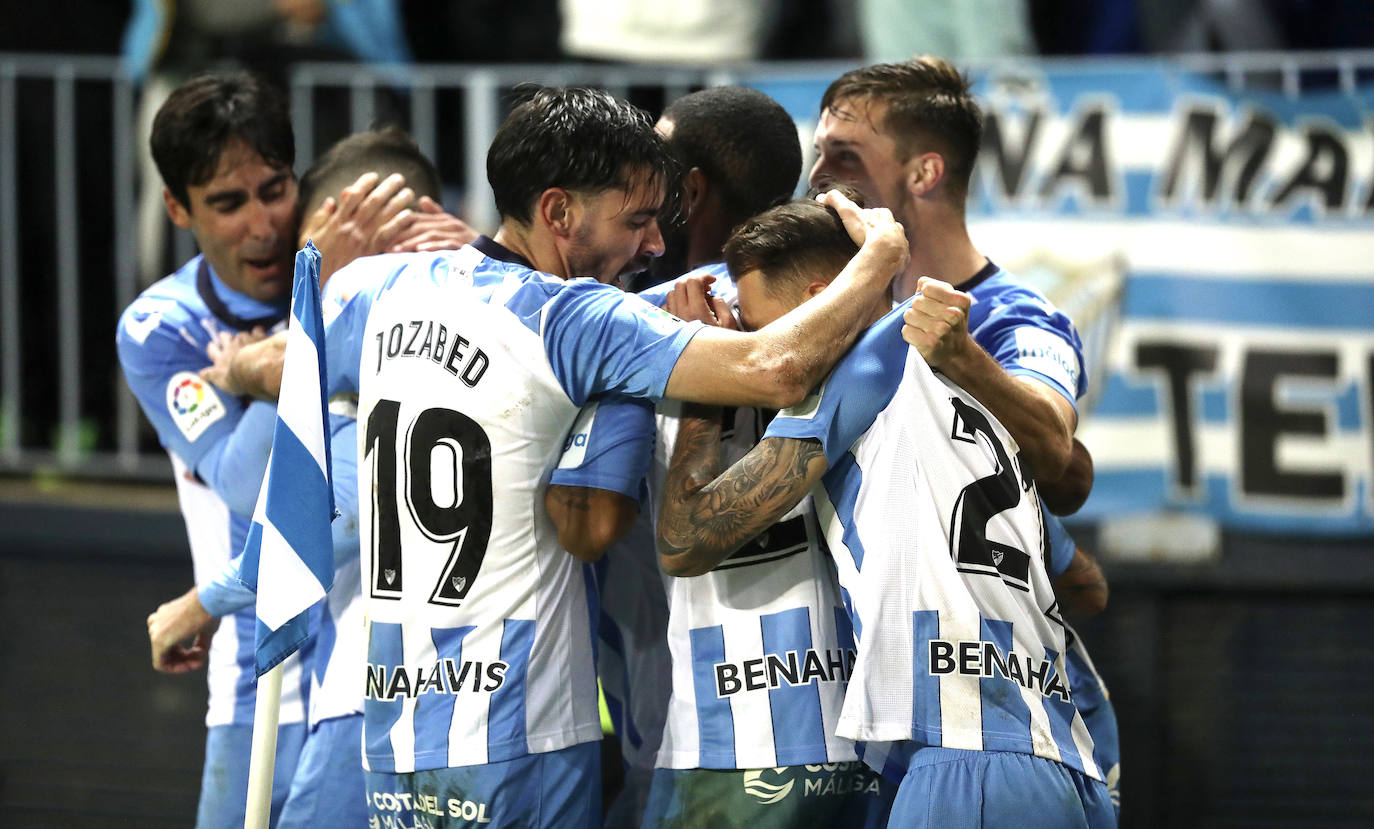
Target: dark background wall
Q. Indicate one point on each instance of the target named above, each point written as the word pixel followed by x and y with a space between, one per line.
pixel 90 735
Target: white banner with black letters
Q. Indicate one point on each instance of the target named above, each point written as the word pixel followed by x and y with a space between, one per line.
pixel 1216 250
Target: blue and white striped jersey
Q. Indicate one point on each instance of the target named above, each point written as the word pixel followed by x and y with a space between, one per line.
pixel 761 646
pixel 470 371
pixel 211 437
pixel 937 536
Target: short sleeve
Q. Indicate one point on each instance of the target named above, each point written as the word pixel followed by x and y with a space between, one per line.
pixel 843 408
pixel 162 360
pixel 1030 337
pixel 599 339
pixel 609 447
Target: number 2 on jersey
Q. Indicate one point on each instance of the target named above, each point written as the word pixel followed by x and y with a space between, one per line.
pixel 435 438
pixel 980 501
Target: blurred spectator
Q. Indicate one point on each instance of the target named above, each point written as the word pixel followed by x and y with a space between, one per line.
pixel 688 31
pixel 165 43
pixel 895 30
pixel 482 31
pixel 1210 26
pixel 814 30
pixel 1256 25
pixel 1088 27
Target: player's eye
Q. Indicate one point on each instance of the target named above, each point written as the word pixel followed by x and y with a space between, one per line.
pixel 227 206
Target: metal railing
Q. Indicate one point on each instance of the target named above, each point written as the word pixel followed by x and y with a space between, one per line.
pixel 125 447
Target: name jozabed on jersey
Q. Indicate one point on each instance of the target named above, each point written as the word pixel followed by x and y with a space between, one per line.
pixel 431 340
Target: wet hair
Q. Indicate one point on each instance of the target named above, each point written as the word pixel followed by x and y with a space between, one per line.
pixel 579 139
pixel 744 142
pixel 929 108
pixel 203 115
pixel 791 245
pixel 383 151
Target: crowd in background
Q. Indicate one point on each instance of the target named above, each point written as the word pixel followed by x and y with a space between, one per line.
pixel 264 34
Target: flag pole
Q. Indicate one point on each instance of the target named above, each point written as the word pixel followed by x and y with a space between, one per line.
pixel 264 756
pixel 290 573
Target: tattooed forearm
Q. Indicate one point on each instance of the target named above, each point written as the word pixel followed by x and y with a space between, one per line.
pixel 707 515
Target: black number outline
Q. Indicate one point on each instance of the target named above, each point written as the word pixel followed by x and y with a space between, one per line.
pixel 467 523
pixel 979 502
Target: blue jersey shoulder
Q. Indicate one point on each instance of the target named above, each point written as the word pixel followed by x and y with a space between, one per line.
pixel 171 305
pixel 1027 334
pixel 857 390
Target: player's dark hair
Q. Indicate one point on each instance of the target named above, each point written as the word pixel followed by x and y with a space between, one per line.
pixel 791 245
pixel 929 108
pixel 745 143
pixel 203 115
pixel 382 151
pixel 578 139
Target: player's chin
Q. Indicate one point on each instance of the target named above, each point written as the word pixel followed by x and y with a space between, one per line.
pixel 269 278
pixel 634 266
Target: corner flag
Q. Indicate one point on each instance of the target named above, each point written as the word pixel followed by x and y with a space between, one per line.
pixel 288 557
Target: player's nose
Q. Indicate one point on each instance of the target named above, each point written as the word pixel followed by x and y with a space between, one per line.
pixel 820 178
pixel 653 241
pixel 261 221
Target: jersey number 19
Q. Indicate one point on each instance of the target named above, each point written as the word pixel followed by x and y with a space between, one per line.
pixel 439 444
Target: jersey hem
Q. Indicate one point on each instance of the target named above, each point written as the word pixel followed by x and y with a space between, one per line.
pixel 496 752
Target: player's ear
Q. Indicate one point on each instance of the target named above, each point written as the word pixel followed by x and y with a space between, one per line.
pixel 815 287
pixel 557 209
pixel 924 172
pixel 176 211
pixel 694 187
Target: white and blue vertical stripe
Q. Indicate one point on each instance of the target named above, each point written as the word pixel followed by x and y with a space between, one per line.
pixel 289 552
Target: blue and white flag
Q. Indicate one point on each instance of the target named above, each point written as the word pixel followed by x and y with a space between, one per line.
pixel 288 558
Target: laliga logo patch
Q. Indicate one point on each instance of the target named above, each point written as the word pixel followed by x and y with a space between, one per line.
pixel 764 790
pixel 193 404
pixel 187 396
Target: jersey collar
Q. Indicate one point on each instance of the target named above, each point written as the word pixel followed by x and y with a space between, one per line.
pixel 495 250
pixel 209 286
pixel 984 274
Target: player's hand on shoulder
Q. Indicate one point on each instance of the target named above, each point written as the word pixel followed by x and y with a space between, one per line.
pixel 691 300
pixel 936 324
pixel 172 625
pixel 427 228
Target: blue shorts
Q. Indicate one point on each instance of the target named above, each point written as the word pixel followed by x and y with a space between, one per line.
pixel 224 783
pixel 550 790
pixel 947 788
pixel 849 795
pixel 328 789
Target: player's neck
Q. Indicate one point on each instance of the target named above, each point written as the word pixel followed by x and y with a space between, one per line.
pixel 521 240
pixel 942 249
pixel 706 242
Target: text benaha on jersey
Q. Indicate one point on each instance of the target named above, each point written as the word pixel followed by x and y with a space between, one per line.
pixel 774 671
pixel 430 340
